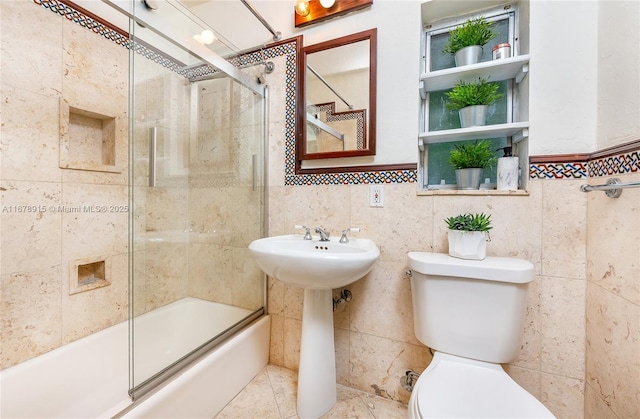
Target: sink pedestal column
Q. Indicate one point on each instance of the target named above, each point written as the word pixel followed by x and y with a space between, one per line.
pixel 317 370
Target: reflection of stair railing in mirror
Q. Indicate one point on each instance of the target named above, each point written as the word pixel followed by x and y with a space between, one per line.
pixel 326 83
pixel 348 128
pixel 313 119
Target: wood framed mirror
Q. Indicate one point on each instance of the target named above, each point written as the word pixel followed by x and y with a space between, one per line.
pixel 337 110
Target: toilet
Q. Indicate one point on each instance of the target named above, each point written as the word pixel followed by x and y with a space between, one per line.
pixel 471 313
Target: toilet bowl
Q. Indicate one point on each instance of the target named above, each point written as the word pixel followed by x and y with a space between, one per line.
pixel 455 387
pixel 471 312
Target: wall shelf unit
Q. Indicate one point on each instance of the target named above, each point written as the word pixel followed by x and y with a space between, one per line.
pixel 497 70
pixel 516 130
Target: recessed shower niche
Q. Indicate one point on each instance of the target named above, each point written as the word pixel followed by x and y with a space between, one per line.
pixel 88 140
pixel 88 274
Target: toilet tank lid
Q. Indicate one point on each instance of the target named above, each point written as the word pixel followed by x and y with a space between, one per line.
pixel 503 269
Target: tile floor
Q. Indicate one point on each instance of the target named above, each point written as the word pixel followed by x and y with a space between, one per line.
pixel 272 394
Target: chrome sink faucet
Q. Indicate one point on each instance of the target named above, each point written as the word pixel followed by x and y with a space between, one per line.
pixel 324 234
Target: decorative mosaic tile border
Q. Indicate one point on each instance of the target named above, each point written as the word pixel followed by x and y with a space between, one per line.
pixel 572 170
pixel 617 163
pixel 614 165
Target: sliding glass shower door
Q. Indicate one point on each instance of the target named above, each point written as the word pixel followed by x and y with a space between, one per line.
pixel 197 163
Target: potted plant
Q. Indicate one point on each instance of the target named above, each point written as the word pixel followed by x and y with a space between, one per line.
pixel 469 159
pixel 466 41
pixel 471 100
pixel 468 235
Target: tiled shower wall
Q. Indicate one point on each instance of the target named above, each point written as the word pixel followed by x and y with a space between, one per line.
pixel 46 58
pixel 196 224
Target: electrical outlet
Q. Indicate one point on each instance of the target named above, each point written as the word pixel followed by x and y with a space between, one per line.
pixel 376 196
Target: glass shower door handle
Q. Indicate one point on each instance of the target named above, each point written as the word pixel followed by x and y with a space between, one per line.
pixel 153 148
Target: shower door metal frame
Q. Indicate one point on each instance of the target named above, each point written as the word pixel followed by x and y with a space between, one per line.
pixel 137 13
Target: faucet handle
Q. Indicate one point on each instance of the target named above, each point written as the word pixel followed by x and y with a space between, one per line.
pixel 344 238
pixel 307 234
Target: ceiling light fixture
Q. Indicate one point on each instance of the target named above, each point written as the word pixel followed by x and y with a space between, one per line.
pixel 308 12
pixel 327 3
pixel 205 37
pixel 302 7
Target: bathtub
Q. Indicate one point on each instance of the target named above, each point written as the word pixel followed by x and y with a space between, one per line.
pixel 89 378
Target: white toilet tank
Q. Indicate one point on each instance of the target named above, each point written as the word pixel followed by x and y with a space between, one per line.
pixel 470 308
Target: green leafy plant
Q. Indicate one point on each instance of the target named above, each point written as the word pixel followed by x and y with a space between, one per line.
pixel 472 32
pixel 465 94
pixel 477 154
pixel 470 222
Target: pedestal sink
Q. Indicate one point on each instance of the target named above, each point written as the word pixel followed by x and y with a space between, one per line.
pixel 318 267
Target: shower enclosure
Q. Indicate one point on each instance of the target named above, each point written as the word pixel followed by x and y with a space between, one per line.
pixel 197 133
pixel 132 183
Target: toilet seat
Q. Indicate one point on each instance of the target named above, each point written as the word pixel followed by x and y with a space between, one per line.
pixel 455 387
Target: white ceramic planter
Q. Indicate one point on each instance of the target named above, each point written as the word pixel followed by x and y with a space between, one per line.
pixel 468 244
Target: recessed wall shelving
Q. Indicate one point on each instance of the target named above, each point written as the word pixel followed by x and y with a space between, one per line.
pixel 507 119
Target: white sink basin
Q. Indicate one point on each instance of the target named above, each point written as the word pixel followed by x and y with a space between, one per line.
pixel 314 264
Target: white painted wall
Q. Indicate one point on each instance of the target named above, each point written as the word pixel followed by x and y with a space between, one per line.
pixel 563 76
pixel 618 72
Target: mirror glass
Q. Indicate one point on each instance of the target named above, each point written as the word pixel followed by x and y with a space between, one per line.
pixel 339 79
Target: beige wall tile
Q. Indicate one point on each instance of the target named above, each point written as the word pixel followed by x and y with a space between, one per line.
pixel 89 77
pixel 275 297
pixel 594 406
pixel 526 378
pixel 313 206
pixel 31 313
pixel 31 236
pixel 208 264
pixel 165 210
pixel 276 344
pixel 247 280
pixel 292 335
pixel 563 396
pixel 381 304
pixel 94 222
pixel 166 273
pixel 29 136
pixel 211 211
pixel 24 51
pixel 293 298
pixel 402 225
pixel 247 218
pixel 613 345
pixel 564 227
pixel 562 325
pixel 341 341
pixel 614 241
pixel 276 143
pixel 378 363
pixel 529 354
